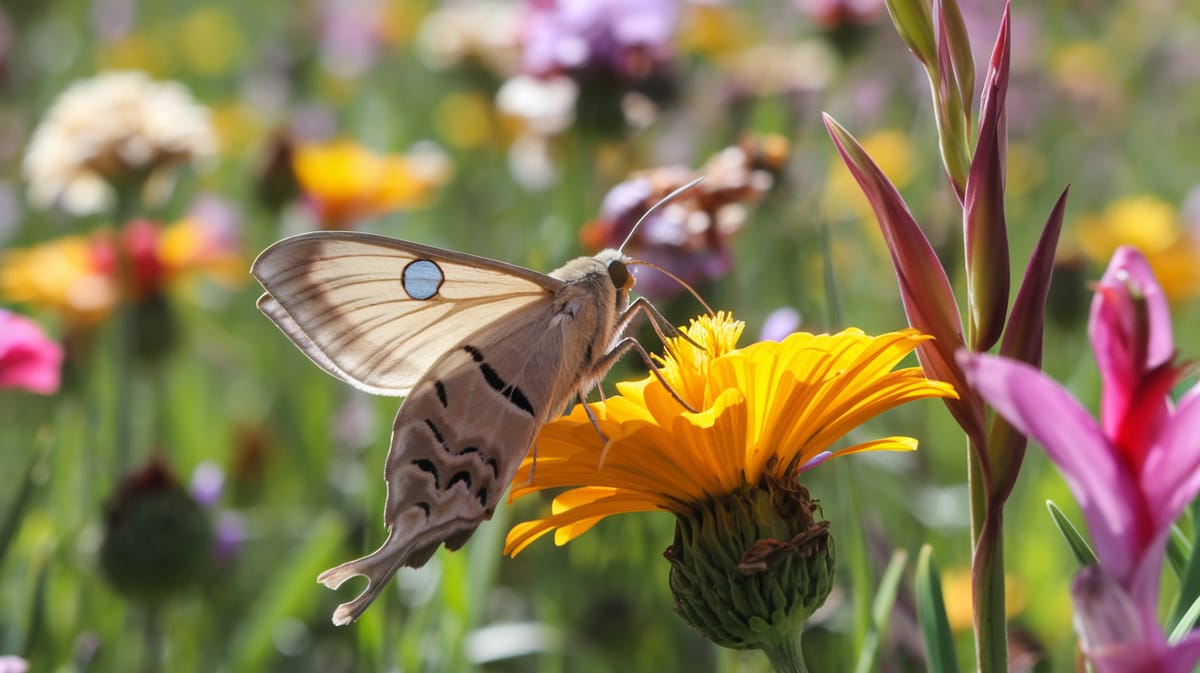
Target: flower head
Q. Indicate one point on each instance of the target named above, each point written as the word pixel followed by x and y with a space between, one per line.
pixel 767 411
pixel 76 276
pixel 627 37
pixel 157 538
pixel 1132 472
pixel 344 181
pixel 618 52
pixel 106 131
pixel 28 359
pixel 1156 228
pixel 689 235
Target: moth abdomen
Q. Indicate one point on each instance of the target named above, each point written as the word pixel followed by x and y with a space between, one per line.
pixel 511 392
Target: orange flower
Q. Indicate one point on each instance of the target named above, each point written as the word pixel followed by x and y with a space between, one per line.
pixel 77 276
pixel 345 182
pixel 765 413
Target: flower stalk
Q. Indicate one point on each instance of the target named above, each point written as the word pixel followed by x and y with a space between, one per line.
pixel 938 39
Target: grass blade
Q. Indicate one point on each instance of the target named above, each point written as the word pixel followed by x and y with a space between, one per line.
pixel 1079 546
pixel 931 612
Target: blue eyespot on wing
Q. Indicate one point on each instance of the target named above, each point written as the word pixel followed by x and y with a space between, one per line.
pixel 359 305
pixel 422 279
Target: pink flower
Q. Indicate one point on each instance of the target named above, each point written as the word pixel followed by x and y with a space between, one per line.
pixel 28 359
pixel 1132 472
pixel 13 664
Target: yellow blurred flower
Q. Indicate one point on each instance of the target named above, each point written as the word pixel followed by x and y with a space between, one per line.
pixel 1085 70
pixel 344 181
pixel 72 276
pixel 210 41
pixel 77 276
pixel 714 29
pixel 956 589
pixel 765 413
pixel 1154 227
pixel 116 128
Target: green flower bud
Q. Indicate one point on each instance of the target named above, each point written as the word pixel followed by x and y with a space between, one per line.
pixel 749 568
pixel 157 539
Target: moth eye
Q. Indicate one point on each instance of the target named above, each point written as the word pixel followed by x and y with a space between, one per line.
pixel 619 274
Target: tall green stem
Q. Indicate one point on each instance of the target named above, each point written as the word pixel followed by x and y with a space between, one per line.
pixel 153 646
pixel 787 657
pixel 124 346
pixel 987 572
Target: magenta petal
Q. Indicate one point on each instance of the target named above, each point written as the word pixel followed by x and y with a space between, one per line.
pixel 1115 633
pixel 1040 408
pixel 1171 472
pixel 1183 655
pixel 28 359
pixel 1125 344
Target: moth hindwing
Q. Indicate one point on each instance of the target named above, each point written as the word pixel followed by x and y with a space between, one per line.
pixel 485 353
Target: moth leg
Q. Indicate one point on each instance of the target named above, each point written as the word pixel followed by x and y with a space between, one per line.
pixel 656 320
pixel 532 465
pixel 630 344
pixel 592 416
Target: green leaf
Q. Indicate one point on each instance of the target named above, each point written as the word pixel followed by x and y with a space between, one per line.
pixel 1179 550
pixel 1189 583
pixel 1082 550
pixel 931 612
pixel 1186 621
pixel 293 591
pixel 881 611
pixel 16 509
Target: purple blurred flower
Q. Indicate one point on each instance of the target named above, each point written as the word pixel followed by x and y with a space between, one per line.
pixel 208 481
pixel 28 359
pixel 780 323
pixel 627 37
pixel 351 35
pixel 230 536
pixel 13 664
pixel 1132 472
pixel 689 236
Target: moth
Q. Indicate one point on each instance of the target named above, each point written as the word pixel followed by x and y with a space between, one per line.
pixel 484 353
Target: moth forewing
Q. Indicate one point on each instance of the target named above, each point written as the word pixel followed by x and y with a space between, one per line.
pixel 461 434
pixel 376 312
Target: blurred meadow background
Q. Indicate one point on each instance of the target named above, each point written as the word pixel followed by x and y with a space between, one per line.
pixel 185 420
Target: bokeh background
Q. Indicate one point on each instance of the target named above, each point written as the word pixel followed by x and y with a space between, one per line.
pixel 499 128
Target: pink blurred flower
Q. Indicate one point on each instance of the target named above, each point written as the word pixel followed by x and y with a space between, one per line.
pixel 13 664
pixel 836 13
pixel 28 359
pixel 1132 472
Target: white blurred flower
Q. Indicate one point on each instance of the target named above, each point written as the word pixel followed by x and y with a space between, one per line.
pixel 545 105
pixel 488 32
pixel 790 68
pixel 113 127
pixel 13 664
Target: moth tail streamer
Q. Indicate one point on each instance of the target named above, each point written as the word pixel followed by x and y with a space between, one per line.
pixel 378 567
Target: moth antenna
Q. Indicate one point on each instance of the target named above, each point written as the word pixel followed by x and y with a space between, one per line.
pixel 661 202
pixel 677 279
